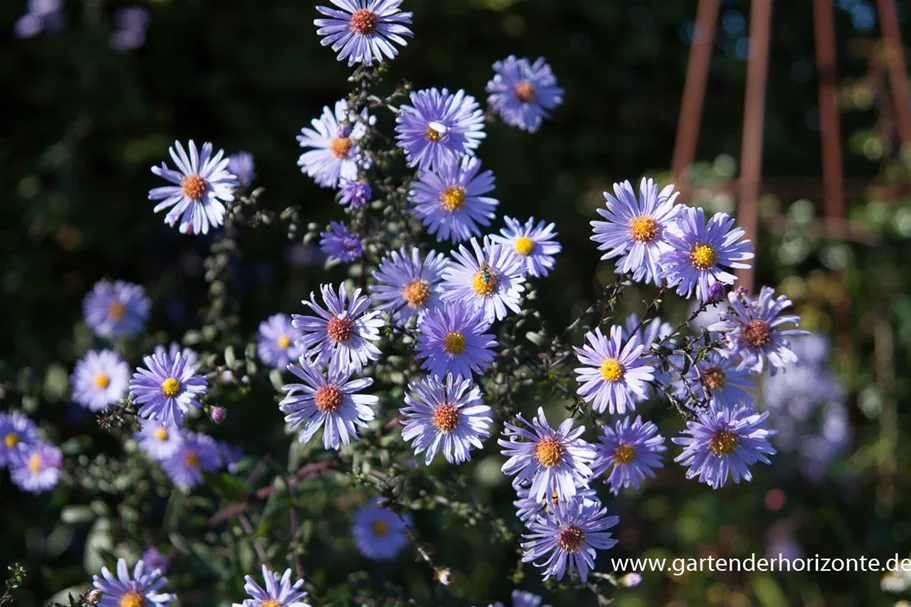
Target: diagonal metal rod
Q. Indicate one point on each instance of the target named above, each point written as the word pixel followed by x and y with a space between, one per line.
pixel 898 72
pixel 829 129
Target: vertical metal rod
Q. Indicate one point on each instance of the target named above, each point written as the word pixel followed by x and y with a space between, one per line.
pixel 898 72
pixel 829 129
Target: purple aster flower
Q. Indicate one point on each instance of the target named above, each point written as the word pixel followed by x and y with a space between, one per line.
pixel 42 15
pixel 130 24
pixel 158 441
pixel 195 454
pixel 334 140
pixel 277 343
pixel 407 284
pixel 439 128
pixel 231 456
pixel 534 244
pixel 355 194
pixel 445 415
pixel 203 185
pixel 647 332
pixel 450 200
pixel 378 532
pixel 523 599
pixel 329 402
pixel 722 441
pixel 753 331
pixel 523 93
pixel 155 560
pixel 528 508
pixel 699 252
pixel 630 451
pixel 636 228
pixel 174 349
pixel 167 388
pixel 341 334
pixel 567 540
pixel 99 379
pixel 339 243
pixel 241 166
pixel 363 30
pixel 490 280
pixel 553 461
pixel 612 375
pixel 142 589
pixel 39 468
pixel 279 591
pixel 18 435
pixel 452 339
pixel 726 384
pixel 116 309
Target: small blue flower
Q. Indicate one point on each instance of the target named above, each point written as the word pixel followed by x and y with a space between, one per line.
pixel 335 139
pixel 699 252
pixel 202 187
pixel 339 243
pixel 407 284
pixel 329 402
pixel 241 166
pixel 18 435
pixel 355 194
pixel 523 93
pixel 155 559
pixel 523 599
pixel 533 243
pixel 568 539
pixel 452 339
pixel 174 349
pixel 722 441
pixel 158 441
pixel 490 280
pixel 439 128
pixel 613 375
pixel 196 453
pixel 445 415
pixel 630 451
pixel 378 532
pixel 143 588
pixel 99 379
pixel 279 591
pixel 450 200
pixel 342 333
pixel 553 461
pixel 528 508
pixel 42 15
pixel 231 456
pixel 726 384
pixel 39 468
pixel 167 388
pixel 363 30
pixel 116 309
pixel 130 24
pixel 277 342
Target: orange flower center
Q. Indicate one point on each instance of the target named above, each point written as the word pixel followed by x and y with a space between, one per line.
pixel 525 91
pixel 193 187
pixel 340 146
pixel 624 454
pixel 757 333
pixel 102 381
pixel 723 443
pixel 549 452
pixel 485 281
pixel 643 229
pixel 454 343
pixel 132 599
pixel 170 387
pixel 702 257
pixel 191 459
pixel 714 378
pixel 452 198
pixel 364 22
pixel 416 293
pixel 160 434
pixel 116 310
pixel 270 603
pixel 445 418
pixel 340 329
pixel 328 398
pixel 570 538
pixel 11 440
pixel 379 528
pixel 283 341
pixel 34 463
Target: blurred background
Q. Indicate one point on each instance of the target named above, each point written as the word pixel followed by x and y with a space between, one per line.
pixel 93 95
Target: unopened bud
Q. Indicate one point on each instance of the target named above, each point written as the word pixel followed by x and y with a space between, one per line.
pixel 218 414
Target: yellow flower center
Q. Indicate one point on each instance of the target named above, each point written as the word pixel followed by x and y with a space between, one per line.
pixel 624 454
pixel 570 538
pixel 549 452
pixel 364 21
pixel 643 229
pixel 11 440
pixel 132 599
pixel 454 343
pixel 193 187
pixel 379 528
pixel 612 370
pixel 328 398
pixel 757 333
pixel 703 257
pixel 34 463
pixel 525 91
pixel 191 459
pixel 452 198
pixel 340 329
pixel 714 378
pixel 445 418
pixel 485 281
pixel 170 387
pixel 270 603
pixel 416 293
pixel 340 146
pixel 283 341
pixel 525 245
pixel 432 134
pixel 723 443
pixel 116 310
pixel 160 434
pixel 102 381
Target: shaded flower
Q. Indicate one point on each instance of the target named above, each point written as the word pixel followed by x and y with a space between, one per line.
pixel 18 435
pixel 613 375
pixel 339 243
pixel 724 382
pixel 155 560
pixel 407 284
pixel 528 508
pixel 523 599
pixel 452 339
pixel 38 469
pixel 41 15
pixel 279 591
pixel 523 93
pixel 167 388
pixel 203 185
pixel 141 589
pixel 363 30
pixel 277 341
pixel 99 379
pixel 334 140
pixel 355 194
pixel 242 166
pixel 378 532
pixel 174 349
pixel 630 451
pixel 116 309
pixel 534 244
pixel 157 440
pixel 196 453
pixel 231 456
pixel 450 200
pixel 130 24
pixel 439 127
pixel 490 280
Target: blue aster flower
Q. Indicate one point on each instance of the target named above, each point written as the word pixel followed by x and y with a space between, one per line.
pixel 753 331
pixel 568 539
pixel 116 309
pixel 143 588
pixel 279 591
pixel 726 384
pixel 42 15
pixel 452 339
pixel 523 599
pixel 155 559
pixel 158 441
pixel 528 508
pixel 636 228
pixel 553 461
pixel 339 243
pixel 378 532
pixel 328 401
pixel 38 470
pixel 203 185
pixel 167 388
pixel 342 333
pixel 648 333
pixel 445 415
pixel 335 141
pixel 613 375
pixel 408 284
pixel 363 31
pixel 355 194
pixel 491 279
pixel 18 435
pixel 99 379
pixel 523 93
pixel 722 441
pixel 630 452
pixel 700 251
pixel 196 453
pixel 231 456
pixel 439 128
pixel 450 200
pixel 174 349
pixel 534 244
pixel 277 342
pixel 241 166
